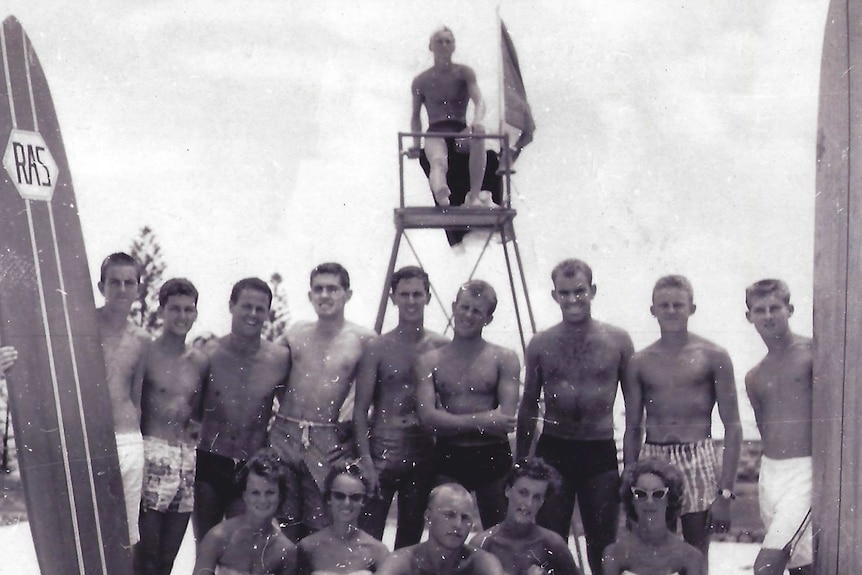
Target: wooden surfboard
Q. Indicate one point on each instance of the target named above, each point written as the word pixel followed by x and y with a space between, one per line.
pixel 60 407
pixel 838 296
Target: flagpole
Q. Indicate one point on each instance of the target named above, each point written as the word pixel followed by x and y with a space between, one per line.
pixel 505 152
pixel 501 93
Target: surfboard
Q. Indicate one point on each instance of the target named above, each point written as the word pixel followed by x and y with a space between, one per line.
pixel 837 405
pixel 61 412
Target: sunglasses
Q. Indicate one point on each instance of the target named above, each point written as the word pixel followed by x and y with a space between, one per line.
pixel 353 497
pixel 657 494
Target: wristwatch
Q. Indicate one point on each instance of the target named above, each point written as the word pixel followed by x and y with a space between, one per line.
pixel 726 494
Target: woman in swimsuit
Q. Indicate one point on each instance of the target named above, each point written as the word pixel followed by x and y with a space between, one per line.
pixel 651 493
pixel 252 543
pixel 342 548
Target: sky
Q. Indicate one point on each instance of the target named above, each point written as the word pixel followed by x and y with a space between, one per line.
pixel 261 137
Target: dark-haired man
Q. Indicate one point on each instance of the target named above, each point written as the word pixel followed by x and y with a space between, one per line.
pixel 170 414
pixel 578 365
pixel 125 347
pixel 318 402
pixel 396 453
pixel 245 374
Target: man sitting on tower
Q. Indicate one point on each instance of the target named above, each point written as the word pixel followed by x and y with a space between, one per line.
pixel 445 90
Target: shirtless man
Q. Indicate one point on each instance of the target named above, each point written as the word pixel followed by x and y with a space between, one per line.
pixel 246 372
pixel 523 547
pixel 449 518
pixel 678 380
pixel 445 90
pixel 125 347
pixel 170 413
pixel 468 394
pixel 579 364
pixel 317 407
pixel 779 388
pixel 396 454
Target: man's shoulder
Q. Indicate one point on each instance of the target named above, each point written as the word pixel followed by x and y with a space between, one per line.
pixel 499 351
pixel 299 329
pixel 708 346
pixel 215 345
pixel 422 78
pixel 646 354
pixel 551 538
pixel 482 538
pixel 360 331
pixel 463 70
pixel 274 350
pixel 617 334
pixel 545 338
pixel 802 346
pixel 433 355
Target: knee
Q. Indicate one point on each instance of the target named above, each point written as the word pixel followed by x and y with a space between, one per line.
pixel 439 163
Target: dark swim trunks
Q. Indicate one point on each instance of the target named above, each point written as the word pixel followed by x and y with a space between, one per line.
pixel 473 466
pixel 221 473
pixel 447 126
pixel 578 460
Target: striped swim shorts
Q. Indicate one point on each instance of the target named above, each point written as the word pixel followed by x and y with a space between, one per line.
pixel 698 463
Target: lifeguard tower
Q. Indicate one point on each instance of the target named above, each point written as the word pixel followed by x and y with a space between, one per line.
pixel 497 222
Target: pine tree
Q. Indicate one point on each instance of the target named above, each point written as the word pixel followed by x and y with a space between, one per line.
pixel 279 311
pixel 146 249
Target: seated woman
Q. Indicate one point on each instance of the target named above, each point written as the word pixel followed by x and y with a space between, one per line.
pixel 252 543
pixel 342 547
pixel 652 497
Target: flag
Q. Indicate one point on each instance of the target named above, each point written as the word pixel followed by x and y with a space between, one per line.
pixel 515 106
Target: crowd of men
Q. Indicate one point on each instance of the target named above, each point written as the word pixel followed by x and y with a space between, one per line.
pixel 432 419
pixel 428 411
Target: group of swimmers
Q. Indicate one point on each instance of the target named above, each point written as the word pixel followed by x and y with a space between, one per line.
pixel 429 411
pixel 287 455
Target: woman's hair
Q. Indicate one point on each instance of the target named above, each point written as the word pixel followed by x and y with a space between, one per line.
pixel 267 464
pixel 534 468
pixel 351 469
pixel 672 479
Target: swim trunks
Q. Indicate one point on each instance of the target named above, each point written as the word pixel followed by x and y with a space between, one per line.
pixel 304 446
pixel 305 442
pixel 404 460
pixel 473 466
pixel 400 449
pixel 445 126
pixel 578 460
pixel 697 463
pixel 169 477
pixel 589 474
pixel 784 490
pixel 221 473
pixel 130 452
